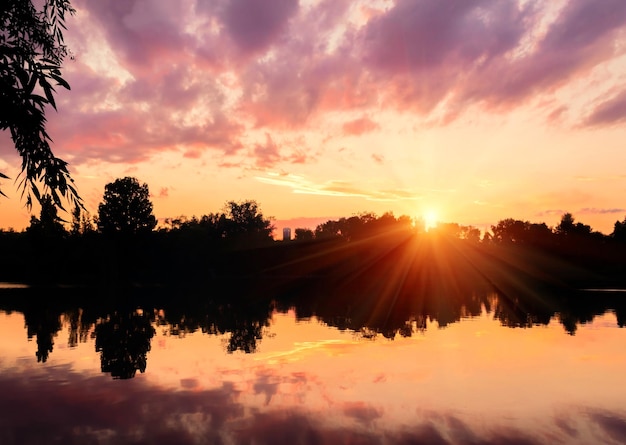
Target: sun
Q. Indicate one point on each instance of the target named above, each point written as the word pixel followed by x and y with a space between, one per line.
pixel 430 219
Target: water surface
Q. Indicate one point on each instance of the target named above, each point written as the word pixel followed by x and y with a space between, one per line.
pixel 291 376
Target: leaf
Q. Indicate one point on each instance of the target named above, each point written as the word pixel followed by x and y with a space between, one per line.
pixel 35 192
pixel 22 75
pixel 61 81
pixel 47 89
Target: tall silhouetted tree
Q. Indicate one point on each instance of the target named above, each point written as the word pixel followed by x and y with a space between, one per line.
pixel 566 226
pixel 126 208
pixel 48 224
pixel 619 231
pixel 75 227
pixel 32 51
pixel 245 222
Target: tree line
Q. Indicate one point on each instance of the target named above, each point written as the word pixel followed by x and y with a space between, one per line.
pixel 126 210
pixel 122 241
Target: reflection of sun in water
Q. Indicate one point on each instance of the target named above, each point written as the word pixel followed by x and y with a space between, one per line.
pixel 430 219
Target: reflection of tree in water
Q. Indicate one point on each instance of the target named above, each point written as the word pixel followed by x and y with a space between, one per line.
pixel 245 324
pixel 514 313
pixel 620 313
pixel 404 313
pixel 78 329
pixel 370 315
pixel 44 324
pixel 123 341
pixel 244 336
pixel 242 317
pixel 244 321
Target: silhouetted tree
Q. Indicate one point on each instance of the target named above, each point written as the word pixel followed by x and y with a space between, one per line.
pixel 245 222
pixel 304 234
pixel 619 231
pixel 470 233
pixel 540 235
pixel 568 227
pixel 48 225
pixel 75 225
pixel 32 51
pixel 87 223
pixel 328 229
pixel 126 208
pixel 364 225
pixel 510 230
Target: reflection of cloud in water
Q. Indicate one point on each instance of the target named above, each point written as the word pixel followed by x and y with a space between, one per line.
pixel 362 412
pixel 72 408
pixel 503 386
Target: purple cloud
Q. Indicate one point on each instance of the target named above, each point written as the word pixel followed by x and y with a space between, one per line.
pixel 580 38
pixel 610 112
pixel 593 210
pixel 254 25
pixel 198 74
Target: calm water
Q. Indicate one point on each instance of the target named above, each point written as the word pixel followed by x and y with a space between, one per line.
pixel 287 377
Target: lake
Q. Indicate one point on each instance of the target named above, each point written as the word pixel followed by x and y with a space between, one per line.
pixel 202 370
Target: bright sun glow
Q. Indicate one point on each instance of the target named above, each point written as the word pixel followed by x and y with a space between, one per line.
pixel 430 219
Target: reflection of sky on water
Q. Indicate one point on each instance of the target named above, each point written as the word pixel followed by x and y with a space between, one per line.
pixel 472 382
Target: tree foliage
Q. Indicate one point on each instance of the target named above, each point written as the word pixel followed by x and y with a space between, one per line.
pixel 48 224
pixel 126 208
pixel 302 234
pixel 245 219
pixel 568 227
pixel 363 225
pixel 619 231
pixel 32 50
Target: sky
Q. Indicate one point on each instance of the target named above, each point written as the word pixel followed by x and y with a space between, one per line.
pixel 472 110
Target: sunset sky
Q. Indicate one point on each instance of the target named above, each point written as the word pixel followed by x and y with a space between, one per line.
pixel 475 110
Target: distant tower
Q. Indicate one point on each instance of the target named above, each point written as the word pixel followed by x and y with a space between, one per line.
pixel 286 234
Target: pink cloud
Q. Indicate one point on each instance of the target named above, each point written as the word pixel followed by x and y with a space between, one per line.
pixel 270 153
pixel 280 67
pixel 87 128
pixel 267 154
pixel 359 126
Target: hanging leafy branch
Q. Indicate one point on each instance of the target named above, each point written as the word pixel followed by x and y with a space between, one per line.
pixel 32 50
